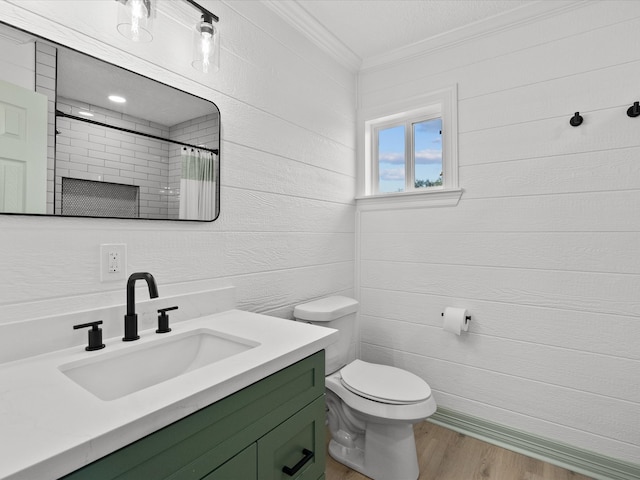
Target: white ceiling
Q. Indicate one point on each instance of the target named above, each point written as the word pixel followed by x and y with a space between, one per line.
pixel 360 30
pixel 372 27
pixel 91 81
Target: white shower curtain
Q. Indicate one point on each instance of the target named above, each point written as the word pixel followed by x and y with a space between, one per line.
pixel 197 185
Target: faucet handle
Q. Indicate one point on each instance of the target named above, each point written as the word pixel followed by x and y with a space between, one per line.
pixel 95 335
pixel 163 319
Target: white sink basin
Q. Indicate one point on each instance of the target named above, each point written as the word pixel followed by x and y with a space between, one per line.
pixel 114 375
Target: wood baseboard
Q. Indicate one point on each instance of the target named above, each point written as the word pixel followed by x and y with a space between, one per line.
pixel 592 464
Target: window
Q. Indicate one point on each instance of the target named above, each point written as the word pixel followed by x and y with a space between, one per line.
pixel 408 155
pixel 412 152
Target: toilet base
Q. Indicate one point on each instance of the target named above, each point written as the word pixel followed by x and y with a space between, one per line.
pixel 389 453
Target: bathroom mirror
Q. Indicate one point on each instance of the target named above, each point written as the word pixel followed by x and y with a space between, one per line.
pixel 67 149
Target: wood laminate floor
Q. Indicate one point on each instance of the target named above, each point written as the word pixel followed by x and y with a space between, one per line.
pixel 448 455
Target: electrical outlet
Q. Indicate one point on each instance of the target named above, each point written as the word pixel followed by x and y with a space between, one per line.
pixel 113 265
pixel 113 262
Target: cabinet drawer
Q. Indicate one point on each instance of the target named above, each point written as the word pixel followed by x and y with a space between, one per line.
pixel 241 467
pixel 297 444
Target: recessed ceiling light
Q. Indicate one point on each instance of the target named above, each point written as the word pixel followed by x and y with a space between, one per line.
pixel 117 99
pixel 85 114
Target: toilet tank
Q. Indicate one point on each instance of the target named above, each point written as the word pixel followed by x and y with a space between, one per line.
pixel 333 312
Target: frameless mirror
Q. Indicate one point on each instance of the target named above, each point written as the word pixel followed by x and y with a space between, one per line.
pixel 83 137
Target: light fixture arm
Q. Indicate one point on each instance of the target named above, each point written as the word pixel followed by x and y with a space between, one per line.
pixel 147 5
pixel 207 16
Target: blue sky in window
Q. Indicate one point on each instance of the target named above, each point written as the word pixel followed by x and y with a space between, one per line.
pixel 428 154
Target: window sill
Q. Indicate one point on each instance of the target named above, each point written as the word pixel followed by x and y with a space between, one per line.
pixel 431 198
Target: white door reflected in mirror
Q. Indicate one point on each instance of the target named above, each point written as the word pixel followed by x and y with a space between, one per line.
pixel 23 150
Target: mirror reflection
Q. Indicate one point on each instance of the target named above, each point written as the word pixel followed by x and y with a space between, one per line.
pixel 82 137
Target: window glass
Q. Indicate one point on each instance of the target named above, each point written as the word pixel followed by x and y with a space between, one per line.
pixel 427 151
pixel 391 159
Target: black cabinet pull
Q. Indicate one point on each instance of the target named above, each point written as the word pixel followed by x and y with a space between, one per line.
pixel 308 455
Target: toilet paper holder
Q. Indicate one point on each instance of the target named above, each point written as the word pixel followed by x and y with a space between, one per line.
pixel 467 318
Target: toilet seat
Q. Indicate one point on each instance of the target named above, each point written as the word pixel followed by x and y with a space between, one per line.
pixel 384 384
pixel 371 410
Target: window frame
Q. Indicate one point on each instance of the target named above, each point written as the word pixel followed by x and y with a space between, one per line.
pixel 443 104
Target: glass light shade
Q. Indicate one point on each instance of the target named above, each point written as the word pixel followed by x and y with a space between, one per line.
pixel 206 47
pixel 135 20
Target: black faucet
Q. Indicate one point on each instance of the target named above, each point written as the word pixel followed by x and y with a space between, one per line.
pixel 131 318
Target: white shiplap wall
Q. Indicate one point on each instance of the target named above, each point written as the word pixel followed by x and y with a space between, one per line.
pixel 286 230
pixel 543 248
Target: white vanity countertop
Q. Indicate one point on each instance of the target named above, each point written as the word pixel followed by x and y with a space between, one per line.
pixel 50 426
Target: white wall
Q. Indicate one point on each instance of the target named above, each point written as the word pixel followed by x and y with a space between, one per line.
pixel 543 247
pixel 286 230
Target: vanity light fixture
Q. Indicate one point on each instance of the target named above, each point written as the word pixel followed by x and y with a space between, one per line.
pixel 135 19
pixel 206 41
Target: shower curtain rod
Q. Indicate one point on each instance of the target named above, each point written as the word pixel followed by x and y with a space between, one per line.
pixel 122 129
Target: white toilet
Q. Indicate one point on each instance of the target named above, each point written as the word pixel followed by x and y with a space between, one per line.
pixel 371 408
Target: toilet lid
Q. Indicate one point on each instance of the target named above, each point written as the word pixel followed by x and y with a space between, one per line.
pixel 384 383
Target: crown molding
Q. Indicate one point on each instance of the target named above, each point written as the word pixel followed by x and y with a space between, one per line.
pixel 299 18
pixel 526 14
pixel 307 24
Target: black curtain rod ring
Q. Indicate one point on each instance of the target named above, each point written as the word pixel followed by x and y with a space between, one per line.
pixel 634 110
pixel 576 120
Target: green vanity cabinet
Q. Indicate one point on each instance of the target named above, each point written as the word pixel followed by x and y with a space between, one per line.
pixel 240 467
pixel 274 423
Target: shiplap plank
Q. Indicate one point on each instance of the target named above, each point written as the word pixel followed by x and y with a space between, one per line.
pixel 258 170
pixel 604 334
pixel 593 252
pixel 245 125
pixel 606 129
pixel 178 257
pixel 554 365
pixel 263 252
pixel 585 291
pixel 258 211
pixel 606 170
pixel 584 212
pixel 613 419
pixel 590 91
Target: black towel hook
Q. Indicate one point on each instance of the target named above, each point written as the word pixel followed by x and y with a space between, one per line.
pixel 634 110
pixel 576 120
